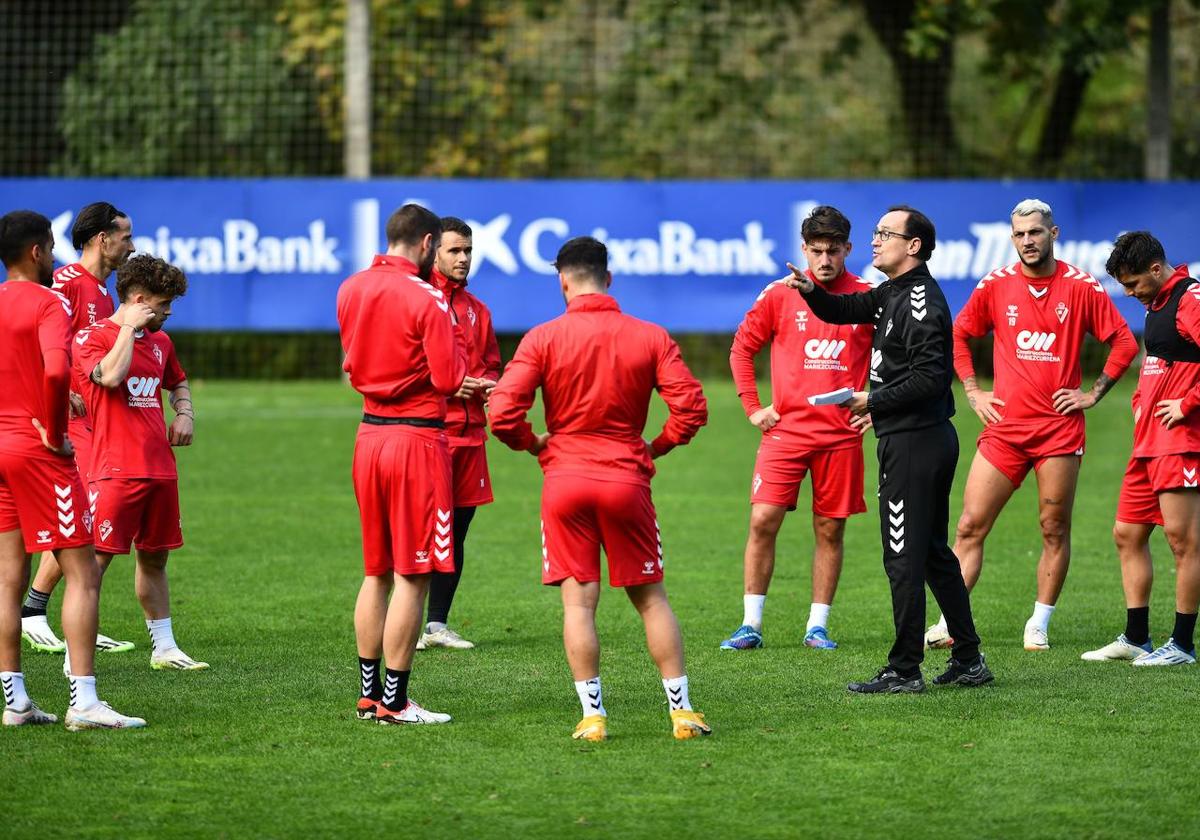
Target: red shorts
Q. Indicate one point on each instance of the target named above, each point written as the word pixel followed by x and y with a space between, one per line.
pixel 1014 452
pixel 41 494
pixel 402 484
pixel 1145 478
pixel 472 484
pixel 837 477
pixel 79 430
pixel 580 515
pixel 144 511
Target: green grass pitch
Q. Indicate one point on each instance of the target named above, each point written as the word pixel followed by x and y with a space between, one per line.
pixel 266 744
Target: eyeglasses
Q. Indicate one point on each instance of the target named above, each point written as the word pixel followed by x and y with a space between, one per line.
pixel 884 235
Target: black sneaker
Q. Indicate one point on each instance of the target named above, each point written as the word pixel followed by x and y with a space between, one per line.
pixel 958 673
pixel 888 681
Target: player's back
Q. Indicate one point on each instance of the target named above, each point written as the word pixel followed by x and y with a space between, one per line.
pixel 394 330
pixel 32 317
pixel 599 368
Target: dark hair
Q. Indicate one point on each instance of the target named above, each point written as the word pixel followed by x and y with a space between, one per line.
pixel 100 217
pixel 1133 253
pixel 583 255
pixel 410 223
pixel 151 275
pixel 453 224
pixel 825 222
pixel 918 226
pixel 19 230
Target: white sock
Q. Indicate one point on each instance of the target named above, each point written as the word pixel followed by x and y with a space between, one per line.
pixel 161 636
pixel 15 697
pixel 941 622
pixel 1041 615
pixel 752 609
pixel 677 693
pixel 590 697
pixel 83 692
pixel 818 616
pixel 434 627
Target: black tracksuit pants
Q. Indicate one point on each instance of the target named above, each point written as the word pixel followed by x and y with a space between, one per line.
pixel 916 471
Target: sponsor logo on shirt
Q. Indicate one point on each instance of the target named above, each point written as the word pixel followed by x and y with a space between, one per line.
pixel 1033 346
pixel 422 557
pixel 1153 366
pixel 824 354
pixel 143 391
pixel 801 320
pixel 43 537
pixel 876 360
pixel 648 567
pixel 1012 314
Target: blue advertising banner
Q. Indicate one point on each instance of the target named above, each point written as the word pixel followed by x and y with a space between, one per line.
pixel 692 256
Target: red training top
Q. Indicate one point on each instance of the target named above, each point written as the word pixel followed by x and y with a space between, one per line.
pixel 466 423
pixel 1177 380
pixel 403 351
pixel 1039 325
pixel 89 299
pixel 35 365
pixel 597 368
pixel 808 356
pixel 129 432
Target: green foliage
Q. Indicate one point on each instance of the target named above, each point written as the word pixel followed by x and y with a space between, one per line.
pixel 191 88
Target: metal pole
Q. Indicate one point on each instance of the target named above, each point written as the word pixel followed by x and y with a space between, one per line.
pixel 1158 114
pixel 358 89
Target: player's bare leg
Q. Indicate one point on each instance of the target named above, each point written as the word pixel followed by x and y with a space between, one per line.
pixel 80 615
pixel 987 492
pixel 1056 480
pixel 758 565
pixel 104 644
pixel 665 644
pixel 400 628
pixel 1181 525
pixel 1137 575
pixel 582 647
pixel 19 708
pixel 154 594
pixel 828 541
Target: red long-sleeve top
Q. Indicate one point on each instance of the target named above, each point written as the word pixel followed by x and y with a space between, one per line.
pixel 597 368
pixel 1161 380
pixel 808 356
pixel 35 365
pixel 466 422
pixel 1039 324
pixel 404 353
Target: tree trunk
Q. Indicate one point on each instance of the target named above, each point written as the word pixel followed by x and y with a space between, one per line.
pixel 924 88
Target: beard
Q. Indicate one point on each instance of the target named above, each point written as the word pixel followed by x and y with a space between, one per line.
pixel 45 276
pixel 425 268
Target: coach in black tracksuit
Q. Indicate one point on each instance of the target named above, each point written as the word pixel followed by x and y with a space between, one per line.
pixel 910 404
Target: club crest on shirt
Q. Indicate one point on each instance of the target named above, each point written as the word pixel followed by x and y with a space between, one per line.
pixel 801 320
pixel 471 315
pixel 158 354
pixel 888 330
pixel 1061 311
pixel 1012 314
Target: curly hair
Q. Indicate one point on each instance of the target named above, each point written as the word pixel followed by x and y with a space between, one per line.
pixel 150 275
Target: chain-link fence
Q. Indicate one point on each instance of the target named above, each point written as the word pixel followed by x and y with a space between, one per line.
pixel 584 88
pixel 641 89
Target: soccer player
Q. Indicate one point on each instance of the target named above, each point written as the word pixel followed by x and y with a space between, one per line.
pixel 104 236
pixel 1161 480
pixel 910 404
pixel 466 425
pixel 597 368
pixel 1039 310
pixel 808 357
pixel 125 362
pixel 404 356
pixel 42 502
